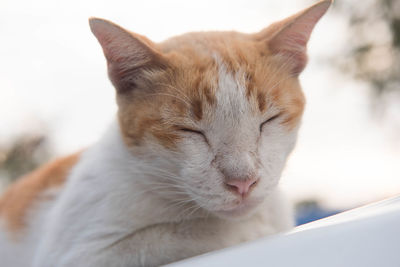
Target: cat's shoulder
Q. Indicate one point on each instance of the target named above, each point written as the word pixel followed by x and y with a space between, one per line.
pixel 20 197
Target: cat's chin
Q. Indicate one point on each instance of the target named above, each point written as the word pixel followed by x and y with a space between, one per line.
pixel 239 211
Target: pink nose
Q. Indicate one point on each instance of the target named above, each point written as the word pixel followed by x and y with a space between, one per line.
pixel 241 186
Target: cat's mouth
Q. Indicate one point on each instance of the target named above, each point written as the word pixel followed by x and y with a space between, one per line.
pixel 239 209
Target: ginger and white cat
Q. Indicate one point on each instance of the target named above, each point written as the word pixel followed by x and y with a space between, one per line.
pixel 205 124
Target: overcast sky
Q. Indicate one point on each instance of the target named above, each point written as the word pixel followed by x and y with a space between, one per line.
pixel 53 79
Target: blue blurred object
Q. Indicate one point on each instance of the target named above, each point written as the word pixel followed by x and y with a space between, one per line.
pixel 309 211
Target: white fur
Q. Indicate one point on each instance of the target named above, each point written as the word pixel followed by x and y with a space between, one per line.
pixel 19 250
pixel 152 206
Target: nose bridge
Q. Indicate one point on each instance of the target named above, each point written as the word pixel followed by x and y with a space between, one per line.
pixel 236 163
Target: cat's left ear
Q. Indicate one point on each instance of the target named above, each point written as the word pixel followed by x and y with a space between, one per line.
pixel 129 55
pixel 290 36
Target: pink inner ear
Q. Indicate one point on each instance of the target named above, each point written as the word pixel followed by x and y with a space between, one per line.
pixel 117 43
pixel 292 39
pixel 126 53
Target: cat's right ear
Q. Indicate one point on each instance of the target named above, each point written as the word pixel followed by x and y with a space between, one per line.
pixel 288 38
pixel 127 54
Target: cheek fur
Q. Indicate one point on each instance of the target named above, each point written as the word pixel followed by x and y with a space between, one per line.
pixel 274 149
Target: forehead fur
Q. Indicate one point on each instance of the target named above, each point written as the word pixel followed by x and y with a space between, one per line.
pixel 184 94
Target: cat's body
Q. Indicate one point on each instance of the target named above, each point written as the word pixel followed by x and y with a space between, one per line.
pixel 205 124
pixel 104 219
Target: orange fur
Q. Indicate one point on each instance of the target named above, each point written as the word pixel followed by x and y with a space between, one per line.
pixel 21 196
pixel 186 87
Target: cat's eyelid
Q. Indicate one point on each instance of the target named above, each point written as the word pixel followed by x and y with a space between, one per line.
pixel 198 132
pixel 184 129
pixel 270 119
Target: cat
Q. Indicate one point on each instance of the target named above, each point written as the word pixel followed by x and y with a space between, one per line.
pixel 191 164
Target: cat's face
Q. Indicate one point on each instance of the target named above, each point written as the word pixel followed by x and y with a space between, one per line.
pixel 213 116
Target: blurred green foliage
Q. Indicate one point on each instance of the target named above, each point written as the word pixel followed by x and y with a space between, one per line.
pixel 373 51
pixel 23 155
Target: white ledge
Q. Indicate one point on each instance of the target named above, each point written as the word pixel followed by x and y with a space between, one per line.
pixel 367 237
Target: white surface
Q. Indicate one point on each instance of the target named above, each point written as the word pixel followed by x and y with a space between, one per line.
pixel 367 236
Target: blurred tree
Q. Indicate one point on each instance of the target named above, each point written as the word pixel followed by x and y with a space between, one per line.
pixel 23 155
pixel 373 51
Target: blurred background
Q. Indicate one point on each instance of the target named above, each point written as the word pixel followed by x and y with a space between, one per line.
pixel 55 97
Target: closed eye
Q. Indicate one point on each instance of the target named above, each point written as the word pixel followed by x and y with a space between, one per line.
pixel 269 120
pixel 191 131
pixel 197 132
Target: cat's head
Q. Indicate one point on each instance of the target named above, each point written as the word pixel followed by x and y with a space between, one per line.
pixel 213 115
